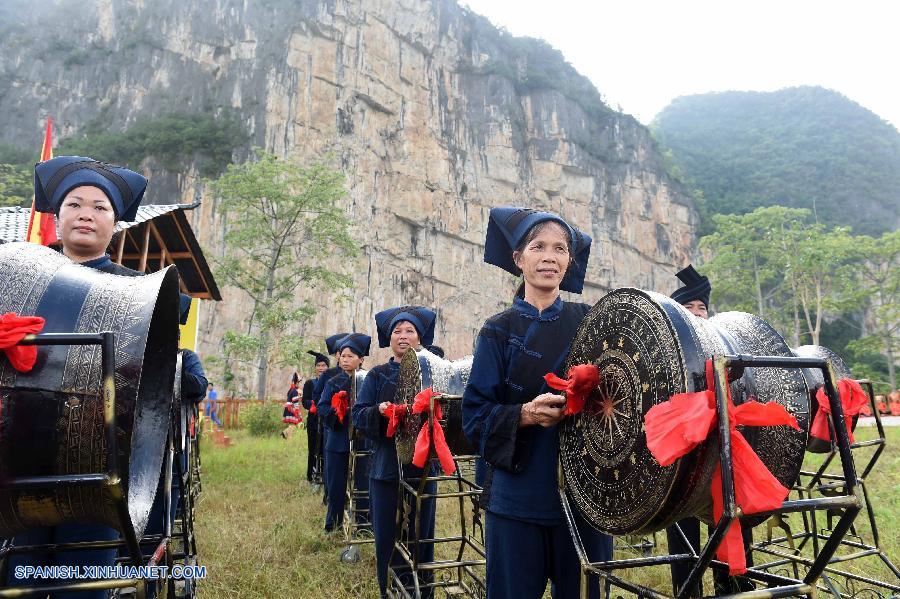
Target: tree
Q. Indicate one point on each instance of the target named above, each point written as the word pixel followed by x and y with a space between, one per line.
pixel 16 185
pixel 777 264
pixel 279 214
pixel 749 256
pixel 823 274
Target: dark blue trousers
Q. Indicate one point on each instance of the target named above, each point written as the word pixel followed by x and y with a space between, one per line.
pixel 522 556
pixel 385 499
pixel 63 533
pixel 337 469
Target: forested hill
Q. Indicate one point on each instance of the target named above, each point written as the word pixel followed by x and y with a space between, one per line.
pixel 804 147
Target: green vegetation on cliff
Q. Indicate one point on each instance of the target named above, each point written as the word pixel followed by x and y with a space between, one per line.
pixel 802 147
pixel 174 140
pixel 531 64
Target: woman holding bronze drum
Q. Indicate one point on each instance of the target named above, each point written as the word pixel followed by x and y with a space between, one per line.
pixel 88 198
pixel 510 417
pixel 400 328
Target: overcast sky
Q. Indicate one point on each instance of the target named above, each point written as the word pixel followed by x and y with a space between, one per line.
pixel 641 54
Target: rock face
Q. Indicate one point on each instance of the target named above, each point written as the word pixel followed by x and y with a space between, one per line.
pixel 405 96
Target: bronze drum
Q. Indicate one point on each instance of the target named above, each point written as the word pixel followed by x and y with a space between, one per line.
pixel 355 385
pixel 649 348
pixel 421 370
pixel 815 382
pixel 51 419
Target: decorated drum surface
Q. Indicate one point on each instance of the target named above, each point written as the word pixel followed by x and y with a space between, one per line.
pixel 420 370
pixel 649 348
pixel 51 418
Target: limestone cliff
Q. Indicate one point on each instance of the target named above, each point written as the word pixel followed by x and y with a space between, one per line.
pixel 431 115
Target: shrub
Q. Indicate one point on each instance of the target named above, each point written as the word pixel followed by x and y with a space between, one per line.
pixel 262 420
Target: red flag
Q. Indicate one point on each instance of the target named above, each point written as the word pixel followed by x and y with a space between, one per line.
pixel 41 225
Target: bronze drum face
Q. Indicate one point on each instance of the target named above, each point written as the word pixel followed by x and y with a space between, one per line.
pixel 649 348
pixel 51 419
pixel 815 381
pixel 421 370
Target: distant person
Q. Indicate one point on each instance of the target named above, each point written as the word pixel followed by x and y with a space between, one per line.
pixel 212 405
pixel 312 419
pixel 291 415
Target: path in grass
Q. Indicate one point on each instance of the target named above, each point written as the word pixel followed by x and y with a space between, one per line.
pixel 259 526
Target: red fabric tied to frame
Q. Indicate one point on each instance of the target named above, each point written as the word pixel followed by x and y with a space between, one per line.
pixel 395 413
pixel 676 426
pixel 421 405
pixel 853 400
pixel 312 408
pixel 13 329
pixel 340 403
pixel 580 381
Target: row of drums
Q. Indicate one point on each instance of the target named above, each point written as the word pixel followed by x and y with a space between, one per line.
pixel 647 347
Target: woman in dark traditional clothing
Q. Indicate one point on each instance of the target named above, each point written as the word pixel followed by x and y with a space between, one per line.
pixel 511 418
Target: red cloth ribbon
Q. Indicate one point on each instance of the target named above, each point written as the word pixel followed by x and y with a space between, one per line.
pixel 340 403
pixel 676 426
pixel 312 408
pixel 395 413
pixel 13 329
pixel 421 404
pixel 581 380
pixel 853 400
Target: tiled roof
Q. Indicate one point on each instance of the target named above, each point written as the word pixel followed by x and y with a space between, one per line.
pixel 14 219
pixel 173 228
pixel 13 223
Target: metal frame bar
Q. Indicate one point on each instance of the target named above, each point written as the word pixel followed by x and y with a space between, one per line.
pixel 783 586
pixel 823 482
pixel 464 577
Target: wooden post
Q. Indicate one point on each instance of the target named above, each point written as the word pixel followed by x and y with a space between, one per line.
pixel 142 267
pixel 121 248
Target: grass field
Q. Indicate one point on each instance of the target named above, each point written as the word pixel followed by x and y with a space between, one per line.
pixel 259 526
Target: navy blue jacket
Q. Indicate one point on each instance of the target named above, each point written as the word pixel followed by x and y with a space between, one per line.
pixel 320 383
pixel 307 397
pixel 380 385
pixel 513 352
pixel 106 264
pixel 337 438
pixel 193 379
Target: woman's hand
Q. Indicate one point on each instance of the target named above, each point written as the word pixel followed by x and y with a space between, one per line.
pixel 545 410
pixel 383 406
